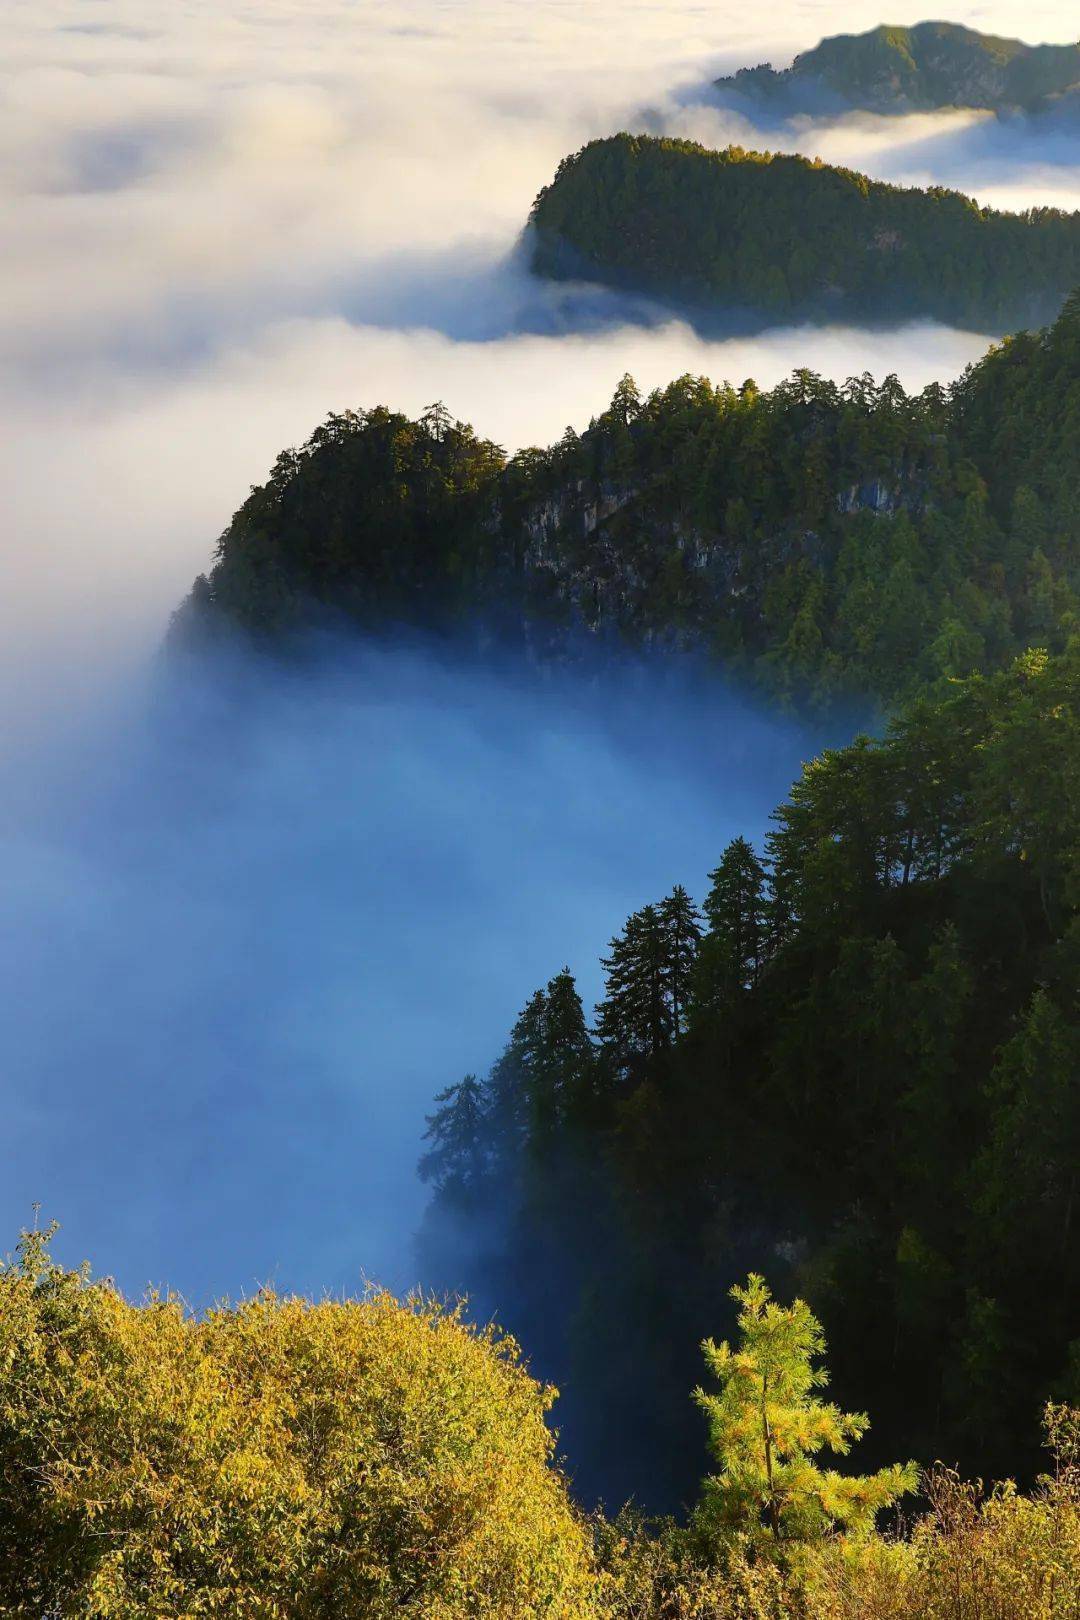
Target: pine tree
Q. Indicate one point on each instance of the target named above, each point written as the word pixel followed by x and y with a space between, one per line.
pixel 633 1020
pixel 766 1426
pixel 457 1161
pixel 438 421
pixel 544 1072
pixel 680 924
pixel 648 980
pixel 735 908
pixel 514 1082
pixel 624 410
pixel 626 400
pixel 562 1074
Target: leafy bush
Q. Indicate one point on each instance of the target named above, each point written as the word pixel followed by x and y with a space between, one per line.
pixel 974 1556
pixel 273 1458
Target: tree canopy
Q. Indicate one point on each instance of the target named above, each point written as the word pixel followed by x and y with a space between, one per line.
pixel 824 543
pixel 931 66
pixel 872 1088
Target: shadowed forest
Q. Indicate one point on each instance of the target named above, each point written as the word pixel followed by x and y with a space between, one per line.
pixel 849 1058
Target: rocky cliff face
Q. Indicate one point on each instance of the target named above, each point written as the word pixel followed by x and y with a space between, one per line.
pixel 875 495
pixel 599 561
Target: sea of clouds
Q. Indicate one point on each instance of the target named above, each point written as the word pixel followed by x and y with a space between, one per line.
pixel 220 222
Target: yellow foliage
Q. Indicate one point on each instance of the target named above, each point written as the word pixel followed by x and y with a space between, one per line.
pixel 1002 1556
pixel 356 1460
pixel 972 1556
pixel 275 1458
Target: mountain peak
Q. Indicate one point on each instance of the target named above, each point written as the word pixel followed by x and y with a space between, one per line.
pixel 927 67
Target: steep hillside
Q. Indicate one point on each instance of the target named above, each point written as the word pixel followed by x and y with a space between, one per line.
pixel 821 541
pixel 853 1064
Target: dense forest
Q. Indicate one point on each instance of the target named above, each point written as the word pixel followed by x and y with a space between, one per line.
pixel 847 1065
pixel 921 69
pixel 852 1063
pixel 750 1265
pixel 822 542
pixel 786 236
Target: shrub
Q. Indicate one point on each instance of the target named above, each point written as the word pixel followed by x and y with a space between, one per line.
pixel 273 1458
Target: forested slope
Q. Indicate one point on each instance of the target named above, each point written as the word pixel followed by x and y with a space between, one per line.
pixel 792 236
pixel 822 542
pixel 854 1067
pixel 854 1064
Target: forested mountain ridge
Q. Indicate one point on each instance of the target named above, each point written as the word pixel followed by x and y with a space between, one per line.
pixel 855 1063
pixel 822 542
pixel 930 66
pixel 787 235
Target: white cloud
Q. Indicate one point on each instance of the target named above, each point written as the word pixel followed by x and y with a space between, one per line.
pixel 222 221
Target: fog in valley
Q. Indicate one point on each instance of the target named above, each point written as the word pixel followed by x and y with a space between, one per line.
pixel 257 918
pixel 254 919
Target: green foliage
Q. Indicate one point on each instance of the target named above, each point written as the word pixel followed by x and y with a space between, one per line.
pixel 767 1425
pixel 874 1094
pixel 738 926
pixel 648 979
pixel 778 233
pixel 374 517
pixel 273 1459
pixel 457 1132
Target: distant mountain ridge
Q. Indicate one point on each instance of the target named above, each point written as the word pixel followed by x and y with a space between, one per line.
pixel 929 67
pixel 788 236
